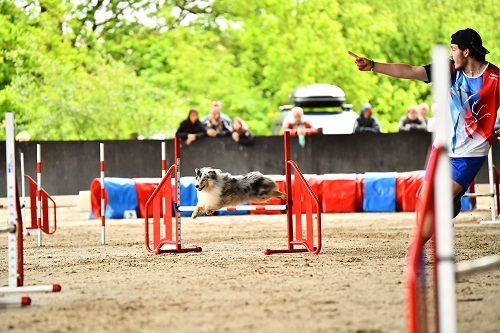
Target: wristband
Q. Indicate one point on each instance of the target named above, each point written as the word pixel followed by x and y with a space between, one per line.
pixel 373 65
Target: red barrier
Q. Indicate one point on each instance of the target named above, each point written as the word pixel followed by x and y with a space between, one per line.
pixel 144 189
pixel 338 193
pixel 360 179
pixel 300 197
pixel 95 198
pixel 45 198
pixel 407 187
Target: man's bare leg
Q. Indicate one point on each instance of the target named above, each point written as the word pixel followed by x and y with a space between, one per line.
pixel 427 229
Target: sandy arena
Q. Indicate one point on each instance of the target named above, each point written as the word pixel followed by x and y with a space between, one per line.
pixel 356 284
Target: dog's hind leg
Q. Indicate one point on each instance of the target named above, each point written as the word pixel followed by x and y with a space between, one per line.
pixel 279 195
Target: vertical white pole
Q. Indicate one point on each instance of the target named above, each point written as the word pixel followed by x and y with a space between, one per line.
pixel 178 186
pixel 23 188
pixel 163 172
pixel 491 175
pixel 103 208
pixel 11 198
pixel 447 319
pixel 39 192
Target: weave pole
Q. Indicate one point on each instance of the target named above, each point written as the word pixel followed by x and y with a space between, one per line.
pixel 14 260
pixel 23 186
pixel 103 207
pixel 39 192
pixel 163 173
pixel 177 161
pixel 445 270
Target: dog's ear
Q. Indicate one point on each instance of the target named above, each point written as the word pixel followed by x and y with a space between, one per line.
pixel 197 172
pixel 212 174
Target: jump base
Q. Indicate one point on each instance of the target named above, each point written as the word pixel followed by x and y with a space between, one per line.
pixel 269 251
pixel 183 250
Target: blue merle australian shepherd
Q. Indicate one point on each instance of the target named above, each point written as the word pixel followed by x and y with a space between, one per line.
pixel 217 189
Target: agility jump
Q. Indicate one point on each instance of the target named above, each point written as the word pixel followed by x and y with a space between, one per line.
pixel 436 199
pixel 39 202
pixel 14 229
pixel 166 207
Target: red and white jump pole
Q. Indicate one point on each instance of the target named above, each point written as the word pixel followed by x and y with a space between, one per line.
pixel 23 186
pixel 445 259
pixel 163 173
pixel 14 302
pixel 103 207
pixel 14 229
pixel 39 192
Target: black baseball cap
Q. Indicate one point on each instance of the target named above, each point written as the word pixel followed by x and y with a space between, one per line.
pixel 470 38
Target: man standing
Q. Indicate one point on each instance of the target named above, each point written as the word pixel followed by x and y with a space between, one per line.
pixel 475 98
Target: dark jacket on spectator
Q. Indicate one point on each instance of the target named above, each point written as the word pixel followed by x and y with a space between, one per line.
pixel 363 125
pixel 246 138
pixel 415 125
pixel 186 127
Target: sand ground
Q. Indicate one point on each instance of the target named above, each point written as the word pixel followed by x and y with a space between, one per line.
pixel 356 284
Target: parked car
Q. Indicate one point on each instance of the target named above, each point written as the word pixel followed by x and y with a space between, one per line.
pixel 324 107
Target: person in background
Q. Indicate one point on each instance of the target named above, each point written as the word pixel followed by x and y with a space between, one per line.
pixel 366 122
pixel 411 121
pixel 431 122
pixel 241 133
pixel 216 123
pixel 191 128
pixel 423 109
pixel 23 136
pixel 299 126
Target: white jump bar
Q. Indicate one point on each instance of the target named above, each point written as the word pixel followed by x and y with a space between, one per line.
pixel 473 195
pixel 243 207
pixel 8 302
pixel 477 265
pixel 8 228
pixel 31 289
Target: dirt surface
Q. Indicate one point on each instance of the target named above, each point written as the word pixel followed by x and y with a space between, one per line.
pixel 356 284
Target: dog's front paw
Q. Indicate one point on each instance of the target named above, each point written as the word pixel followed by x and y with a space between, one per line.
pixel 209 212
pixel 195 213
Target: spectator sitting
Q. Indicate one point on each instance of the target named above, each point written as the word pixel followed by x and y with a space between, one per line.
pixel 191 128
pixel 241 133
pixel 300 127
pixel 423 109
pixel 216 123
pixel 366 122
pixel 411 122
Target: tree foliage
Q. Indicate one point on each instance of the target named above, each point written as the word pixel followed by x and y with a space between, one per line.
pixel 104 69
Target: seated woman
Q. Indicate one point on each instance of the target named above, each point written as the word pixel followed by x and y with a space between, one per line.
pixel 215 124
pixel 191 128
pixel 299 126
pixel 241 133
